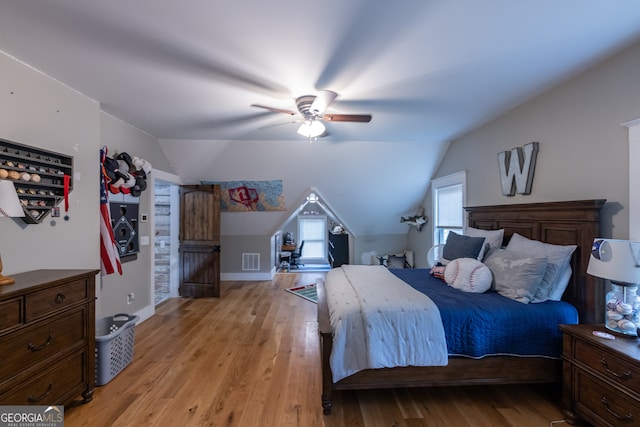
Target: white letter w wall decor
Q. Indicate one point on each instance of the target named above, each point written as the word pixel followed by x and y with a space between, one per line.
pixel 516 169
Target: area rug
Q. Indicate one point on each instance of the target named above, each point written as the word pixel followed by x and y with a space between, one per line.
pixel 311 268
pixel 307 292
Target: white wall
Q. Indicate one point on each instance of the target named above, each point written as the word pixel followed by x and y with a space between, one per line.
pixel 382 176
pixel 36 110
pixel 137 275
pixel 583 147
pixel 634 179
pixel 39 111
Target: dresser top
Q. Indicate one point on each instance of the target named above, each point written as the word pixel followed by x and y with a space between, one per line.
pixel 45 277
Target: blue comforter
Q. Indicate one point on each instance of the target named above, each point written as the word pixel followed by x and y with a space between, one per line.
pixel 478 325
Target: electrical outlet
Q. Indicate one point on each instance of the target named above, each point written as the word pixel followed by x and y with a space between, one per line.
pixel 130 297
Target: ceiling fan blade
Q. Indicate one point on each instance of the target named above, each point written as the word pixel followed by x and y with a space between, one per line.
pixel 275 110
pixel 322 102
pixel 361 118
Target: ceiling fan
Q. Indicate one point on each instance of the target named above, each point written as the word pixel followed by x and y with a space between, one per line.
pixel 311 109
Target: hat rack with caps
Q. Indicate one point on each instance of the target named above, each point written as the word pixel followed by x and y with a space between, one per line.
pixel 42 178
pixel 124 173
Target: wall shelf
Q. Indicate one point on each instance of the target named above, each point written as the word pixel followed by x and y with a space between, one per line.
pixel 38 176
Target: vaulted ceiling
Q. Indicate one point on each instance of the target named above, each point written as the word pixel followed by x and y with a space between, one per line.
pixel 427 71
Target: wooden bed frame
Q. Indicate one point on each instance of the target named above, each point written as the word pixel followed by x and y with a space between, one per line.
pixel 562 223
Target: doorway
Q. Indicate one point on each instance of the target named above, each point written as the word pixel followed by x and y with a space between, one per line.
pixel 166 255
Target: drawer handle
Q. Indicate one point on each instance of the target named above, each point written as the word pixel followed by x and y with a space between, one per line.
pixel 32 347
pixel 32 399
pixel 628 417
pixel 60 298
pixel 624 376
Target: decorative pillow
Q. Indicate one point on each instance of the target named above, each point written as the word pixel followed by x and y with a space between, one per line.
pixel 493 238
pixel 561 285
pixel 516 275
pixel 437 271
pixel 399 260
pixel 468 275
pixel 395 261
pixel 409 255
pixel 458 246
pixel 558 258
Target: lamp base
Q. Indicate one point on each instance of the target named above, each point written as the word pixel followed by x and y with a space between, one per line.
pixel 622 310
pixel 4 280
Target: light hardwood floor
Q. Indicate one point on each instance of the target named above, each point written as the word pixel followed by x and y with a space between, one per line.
pixel 251 358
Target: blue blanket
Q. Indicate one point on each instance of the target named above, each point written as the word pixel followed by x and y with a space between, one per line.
pixel 478 325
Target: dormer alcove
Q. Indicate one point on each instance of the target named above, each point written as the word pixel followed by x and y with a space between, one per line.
pixel 315 217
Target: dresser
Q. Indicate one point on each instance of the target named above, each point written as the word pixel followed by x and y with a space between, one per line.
pixel 338 249
pixel 601 377
pixel 47 337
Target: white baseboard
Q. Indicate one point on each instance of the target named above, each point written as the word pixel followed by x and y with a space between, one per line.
pixel 249 276
pixel 145 313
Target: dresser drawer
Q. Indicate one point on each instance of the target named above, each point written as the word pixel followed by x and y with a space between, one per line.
pixel 598 401
pixel 56 385
pixel 10 313
pixel 41 340
pixel 44 302
pixel 609 365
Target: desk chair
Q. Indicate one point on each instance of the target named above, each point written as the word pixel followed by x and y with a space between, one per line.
pixel 296 255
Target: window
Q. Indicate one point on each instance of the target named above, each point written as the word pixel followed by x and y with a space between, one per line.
pixel 448 205
pixel 313 230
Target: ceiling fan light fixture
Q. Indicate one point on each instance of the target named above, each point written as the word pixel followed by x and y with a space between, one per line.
pixel 311 109
pixel 311 129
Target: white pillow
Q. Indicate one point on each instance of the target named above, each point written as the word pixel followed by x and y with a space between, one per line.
pixel 558 258
pixel 492 239
pixel 561 286
pixel 468 275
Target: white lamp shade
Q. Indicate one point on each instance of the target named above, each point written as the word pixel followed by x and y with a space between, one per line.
pixel 615 260
pixel 9 202
pixel 311 129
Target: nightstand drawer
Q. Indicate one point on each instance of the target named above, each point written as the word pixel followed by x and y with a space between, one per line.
pixel 609 365
pixel 47 301
pixel 600 402
pixel 10 313
pixel 41 341
pixel 53 386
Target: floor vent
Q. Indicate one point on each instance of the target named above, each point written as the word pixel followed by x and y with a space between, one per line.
pixel 250 262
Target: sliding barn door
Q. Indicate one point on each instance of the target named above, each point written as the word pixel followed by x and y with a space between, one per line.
pixel 200 241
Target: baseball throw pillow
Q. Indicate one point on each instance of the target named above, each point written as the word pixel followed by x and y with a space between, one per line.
pixel 468 275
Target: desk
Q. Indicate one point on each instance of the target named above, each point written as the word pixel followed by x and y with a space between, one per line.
pixel 288 248
pixel 285 256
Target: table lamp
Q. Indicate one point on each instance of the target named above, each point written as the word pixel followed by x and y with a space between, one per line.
pixel 619 262
pixel 9 207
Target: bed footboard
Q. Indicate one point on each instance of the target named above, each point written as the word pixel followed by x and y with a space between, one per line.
pixel 326 343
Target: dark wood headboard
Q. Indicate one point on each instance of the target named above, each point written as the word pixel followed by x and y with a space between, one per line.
pixel 560 223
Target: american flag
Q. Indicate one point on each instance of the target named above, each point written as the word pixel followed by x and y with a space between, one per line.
pixel 109 256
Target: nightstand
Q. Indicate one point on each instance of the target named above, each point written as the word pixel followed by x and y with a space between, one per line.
pixel 600 377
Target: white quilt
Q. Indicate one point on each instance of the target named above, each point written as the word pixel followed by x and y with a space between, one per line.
pixel 379 321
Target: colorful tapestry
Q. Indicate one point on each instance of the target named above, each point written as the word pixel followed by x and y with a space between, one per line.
pixel 248 196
